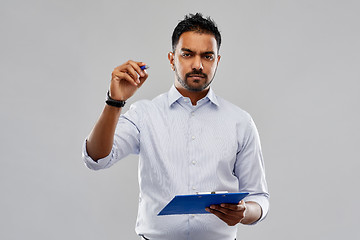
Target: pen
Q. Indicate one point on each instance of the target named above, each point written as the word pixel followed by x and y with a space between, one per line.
pixel 144 67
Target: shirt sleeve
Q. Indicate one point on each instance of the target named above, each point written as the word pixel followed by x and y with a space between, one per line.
pixel 250 169
pixel 126 141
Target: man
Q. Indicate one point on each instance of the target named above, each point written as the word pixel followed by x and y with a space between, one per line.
pixel 189 140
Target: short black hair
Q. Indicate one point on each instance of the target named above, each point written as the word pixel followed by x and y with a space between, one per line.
pixel 197 23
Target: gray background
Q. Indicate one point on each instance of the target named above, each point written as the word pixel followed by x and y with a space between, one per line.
pixel 293 65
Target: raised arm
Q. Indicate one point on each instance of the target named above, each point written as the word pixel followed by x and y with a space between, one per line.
pixel 125 80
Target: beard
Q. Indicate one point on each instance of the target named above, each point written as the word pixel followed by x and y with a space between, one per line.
pixel 185 82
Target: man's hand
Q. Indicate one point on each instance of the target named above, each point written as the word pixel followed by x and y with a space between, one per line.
pixel 126 79
pixel 231 214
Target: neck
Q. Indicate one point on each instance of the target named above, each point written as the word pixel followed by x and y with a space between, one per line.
pixel 193 95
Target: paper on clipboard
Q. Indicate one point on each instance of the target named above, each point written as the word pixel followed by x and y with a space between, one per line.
pixel 196 203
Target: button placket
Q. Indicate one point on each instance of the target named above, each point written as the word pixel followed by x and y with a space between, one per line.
pixel 192 150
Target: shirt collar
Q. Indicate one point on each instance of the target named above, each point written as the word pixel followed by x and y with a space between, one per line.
pixel 174 95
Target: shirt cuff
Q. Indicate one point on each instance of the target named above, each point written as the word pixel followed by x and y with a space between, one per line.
pixel 263 201
pixel 95 165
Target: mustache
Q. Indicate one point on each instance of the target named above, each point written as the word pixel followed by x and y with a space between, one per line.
pixel 196 72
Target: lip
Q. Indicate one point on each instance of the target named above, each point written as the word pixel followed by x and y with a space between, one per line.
pixel 196 76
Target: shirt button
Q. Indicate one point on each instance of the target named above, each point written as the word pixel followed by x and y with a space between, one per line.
pixel 194 188
pixel 193 137
pixel 193 162
pixel 192 114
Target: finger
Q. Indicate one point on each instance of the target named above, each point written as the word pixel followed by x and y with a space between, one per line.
pixel 121 71
pixel 144 76
pixel 225 211
pixel 131 67
pixel 217 213
pixel 136 67
pixel 142 80
pixel 226 218
pixel 132 73
pixel 233 207
pixel 134 70
pixel 124 76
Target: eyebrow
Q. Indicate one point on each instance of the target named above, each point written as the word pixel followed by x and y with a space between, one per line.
pixel 189 50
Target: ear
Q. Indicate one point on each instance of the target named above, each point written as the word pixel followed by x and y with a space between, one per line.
pixel 171 58
pixel 218 59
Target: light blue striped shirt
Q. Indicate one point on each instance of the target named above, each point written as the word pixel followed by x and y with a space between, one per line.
pixel 184 149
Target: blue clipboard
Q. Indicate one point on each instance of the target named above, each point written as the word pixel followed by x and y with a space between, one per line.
pixel 196 203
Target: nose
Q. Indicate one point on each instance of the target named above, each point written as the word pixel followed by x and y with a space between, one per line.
pixel 197 63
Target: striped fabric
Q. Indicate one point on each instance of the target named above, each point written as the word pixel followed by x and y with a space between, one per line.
pixel 184 149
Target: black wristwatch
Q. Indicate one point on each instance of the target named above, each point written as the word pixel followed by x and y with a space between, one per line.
pixel 112 102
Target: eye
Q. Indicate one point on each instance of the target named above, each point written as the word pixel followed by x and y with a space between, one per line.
pixel 209 57
pixel 185 54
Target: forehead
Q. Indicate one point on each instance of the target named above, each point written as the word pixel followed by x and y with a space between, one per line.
pixel 197 42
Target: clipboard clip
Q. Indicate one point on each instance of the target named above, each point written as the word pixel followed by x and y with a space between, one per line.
pixel 214 192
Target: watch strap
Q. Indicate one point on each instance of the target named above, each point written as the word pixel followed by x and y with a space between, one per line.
pixel 115 103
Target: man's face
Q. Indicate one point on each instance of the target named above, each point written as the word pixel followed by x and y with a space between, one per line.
pixel 195 61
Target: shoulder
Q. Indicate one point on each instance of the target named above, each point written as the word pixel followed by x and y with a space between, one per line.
pixel 146 105
pixel 245 125
pixel 233 110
